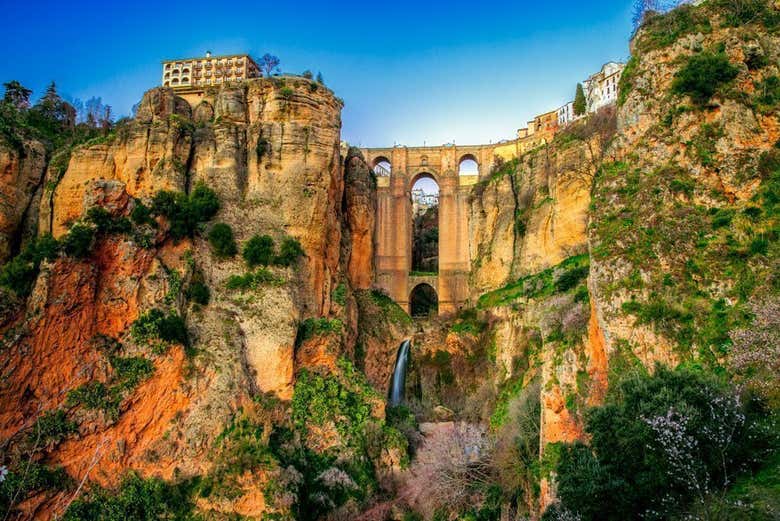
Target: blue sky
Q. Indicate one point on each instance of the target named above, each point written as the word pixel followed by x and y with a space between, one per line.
pixel 410 73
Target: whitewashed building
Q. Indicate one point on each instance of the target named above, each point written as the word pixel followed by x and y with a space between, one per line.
pixel 601 89
pixel 566 114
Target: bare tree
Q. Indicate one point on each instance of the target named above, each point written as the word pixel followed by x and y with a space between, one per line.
pixel 269 64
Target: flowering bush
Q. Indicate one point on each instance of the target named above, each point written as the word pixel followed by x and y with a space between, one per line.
pixel 660 444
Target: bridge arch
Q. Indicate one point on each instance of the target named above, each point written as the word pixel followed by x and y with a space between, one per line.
pixel 468 165
pixel 382 166
pixel 423 301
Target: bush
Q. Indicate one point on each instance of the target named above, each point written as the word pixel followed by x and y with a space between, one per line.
pixel 27 478
pixel 199 293
pixel 222 242
pixel 79 240
pixel 253 280
pixel 658 442
pixel 52 427
pixel 184 213
pixel 312 327
pixel 142 214
pixel 289 252
pixel 105 222
pixel 568 279
pixel 156 325
pixel 137 499
pixel 259 250
pixel 703 75
pixel 19 274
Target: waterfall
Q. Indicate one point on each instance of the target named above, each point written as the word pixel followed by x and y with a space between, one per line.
pixel 398 383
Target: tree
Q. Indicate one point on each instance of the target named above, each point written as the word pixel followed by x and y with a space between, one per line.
pixel 319 79
pixel 308 74
pixel 17 95
pixel 580 103
pixel 259 250
pixel 269 64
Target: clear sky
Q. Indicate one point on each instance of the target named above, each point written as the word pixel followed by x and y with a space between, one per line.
pixel 410 72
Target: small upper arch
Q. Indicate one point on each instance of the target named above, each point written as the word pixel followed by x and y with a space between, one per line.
pixel 468 165
pixel 381 166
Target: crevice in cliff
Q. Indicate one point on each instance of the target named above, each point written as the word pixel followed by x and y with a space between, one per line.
pixel 251 380
pixel 188 165
pixel 516 235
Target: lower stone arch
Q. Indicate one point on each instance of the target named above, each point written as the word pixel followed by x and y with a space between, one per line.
pixel 423 301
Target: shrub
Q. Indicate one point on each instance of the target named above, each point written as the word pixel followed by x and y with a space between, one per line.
pixel 259 250
pixel 27 478
pixel 183 212
pixel 289 252
pixel 138 499
pixel 253 280
pixel 703 75
pixel 156 325
pixel 768 92
pixel 203 203
pixel 142 214
pixel 661 30
pixel 312 327
pixel 19 273
pixel 52 427
pixel 339 294
pixel 96 396
pixel 105 222
pixel 286 92
pixel 79 240
pixel 568 279
pixel 658 442
pixel 222 242
pixel 199 293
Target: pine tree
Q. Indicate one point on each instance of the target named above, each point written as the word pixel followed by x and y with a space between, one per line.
pixel 580 103
pixel 17 95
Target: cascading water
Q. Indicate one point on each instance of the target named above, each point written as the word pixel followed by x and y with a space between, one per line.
pixel 398 382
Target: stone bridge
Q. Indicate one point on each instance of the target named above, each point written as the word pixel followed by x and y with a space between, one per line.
pixel 394 223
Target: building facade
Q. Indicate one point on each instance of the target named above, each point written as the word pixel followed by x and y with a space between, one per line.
pixel 207 71
pixel 601 89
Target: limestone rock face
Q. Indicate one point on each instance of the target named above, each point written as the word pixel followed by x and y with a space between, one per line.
pixel 532 217
pixel 270 150
pixel 21 174
pixel 147 155
pixel 360 218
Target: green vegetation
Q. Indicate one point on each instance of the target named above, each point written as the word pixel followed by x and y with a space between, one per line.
pixel 106 223
pixel 767 97
pixel 467 323
pixel 259 251
pixel 156 326
pixel 703 75
pixel 580 103
pixel 703 146
pixel 27 477
pixel 107 397
pixel 19 274
pixel 339 294
pixel 658 442
pixel 185 213
pixel 198 292
pixel 558 279
pixel 742 12
pixel 253 280
pixel 312 327
pixel 223 244
pixel 662 30
pixel 626 84
pixel 289 252
pixel 138 499
pixel 79 240
pixel 52 427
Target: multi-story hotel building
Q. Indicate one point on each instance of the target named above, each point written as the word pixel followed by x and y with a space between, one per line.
pixel 207 71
